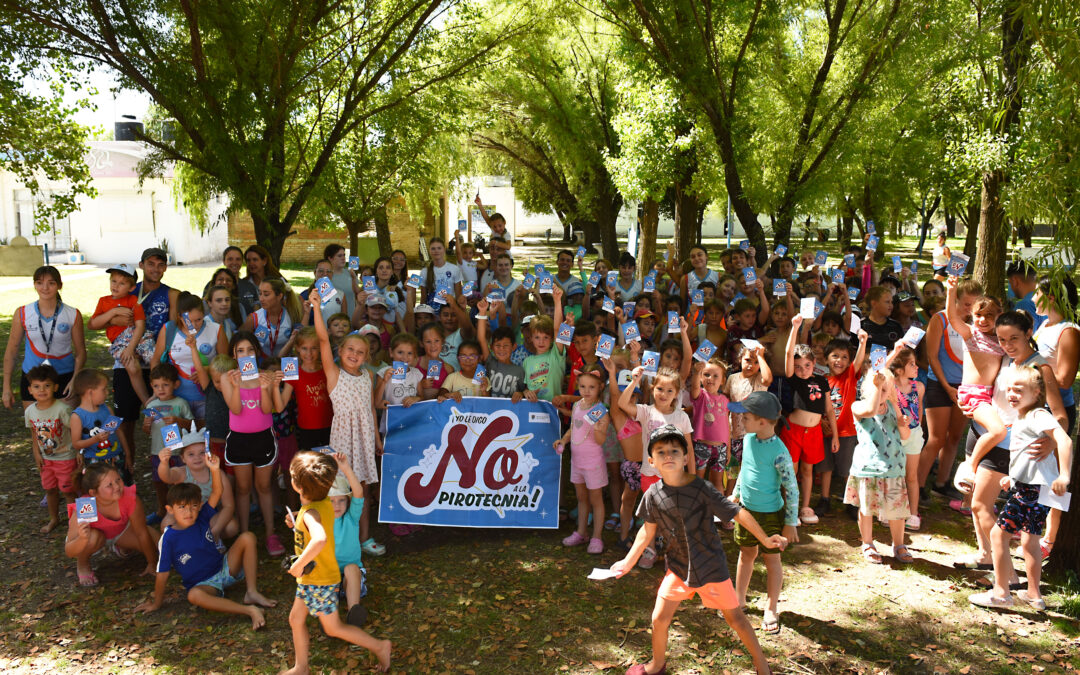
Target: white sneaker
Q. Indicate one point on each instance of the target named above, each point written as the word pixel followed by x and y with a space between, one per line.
pixel 647 559
pixel 1037 603
pixel 913 523
pixel 807 516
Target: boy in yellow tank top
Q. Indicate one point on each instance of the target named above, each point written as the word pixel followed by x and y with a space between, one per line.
pixel 315 567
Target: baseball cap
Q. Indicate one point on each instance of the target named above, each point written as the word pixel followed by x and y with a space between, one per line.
pixel 374 300
pixel 667 432
pixel 340 488
pixel 761 403
pixel 368 329
pixel 154 252
pixel 124 268
pixel 624 379
pixel 422 308
pixel 904 296
pixel 642 313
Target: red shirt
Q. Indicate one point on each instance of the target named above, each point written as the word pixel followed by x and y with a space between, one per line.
pixel 313 407
pixel 109 302
pixel 842 393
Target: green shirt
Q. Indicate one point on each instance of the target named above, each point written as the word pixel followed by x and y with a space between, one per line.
pixel 544 372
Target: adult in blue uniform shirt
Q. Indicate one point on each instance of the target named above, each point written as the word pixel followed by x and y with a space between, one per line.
pixel 1022 284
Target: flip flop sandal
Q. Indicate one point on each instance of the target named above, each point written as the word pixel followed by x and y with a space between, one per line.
pixel 988 582
pixel 871 554
pixel 902 554
pixel 612 523
pixel 972 563
pixel 770 626
pixel 88 580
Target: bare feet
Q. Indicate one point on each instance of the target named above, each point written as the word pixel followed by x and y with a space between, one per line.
pixel 296 670
pixel 257 598
pixel 257 618
pixel 49 527
pixel 384 655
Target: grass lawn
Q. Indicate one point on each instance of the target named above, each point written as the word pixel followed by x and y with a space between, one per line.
pixel 472 601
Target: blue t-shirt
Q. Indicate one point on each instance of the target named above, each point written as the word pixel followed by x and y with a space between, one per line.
pixel 191 551
pixel 347 534
pixel 90 419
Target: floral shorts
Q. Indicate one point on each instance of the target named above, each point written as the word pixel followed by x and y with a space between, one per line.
pixel 1023 512
pixel 631 473
pixel 735 452
pixel 884 498
pixel 319 600
pixel 713 457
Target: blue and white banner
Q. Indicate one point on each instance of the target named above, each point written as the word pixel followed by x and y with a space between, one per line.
pixel 484 462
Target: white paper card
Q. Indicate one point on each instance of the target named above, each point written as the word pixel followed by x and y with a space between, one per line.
pixel 1048 498
pixel 601 573
pixel 806 308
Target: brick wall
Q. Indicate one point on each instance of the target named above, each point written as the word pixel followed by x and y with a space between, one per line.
pixel 306 246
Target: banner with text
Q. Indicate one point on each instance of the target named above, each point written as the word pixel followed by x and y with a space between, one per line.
pixel 484 462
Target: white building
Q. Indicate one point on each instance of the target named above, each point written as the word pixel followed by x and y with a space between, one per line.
pixel 123 220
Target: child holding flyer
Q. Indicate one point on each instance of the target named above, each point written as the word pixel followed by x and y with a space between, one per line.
pixel 712 432
pixel 909 394
pixel 469 380
pixel 588 473
pixel 767 489
pixel 545 368
pixel 188 546
pixel 754 375
pixel 681 507
pixel 50 421
pixel 315 568
pixel 163 408
pixel 195 469
pixel 89 420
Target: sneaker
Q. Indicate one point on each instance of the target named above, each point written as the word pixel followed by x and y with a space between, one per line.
pixel 596 546
pixel 924 494
pixel 647 559
pixel 807 516
pixel 1037 603
pixel 371 547
pixel 274 546
pixel 823 506
pixel 153 519
pixel 913 523
pixel 948 491
pixel 399 530
pixel 44 502
pixel 575 539
pixel 1045 547
pixel 988 599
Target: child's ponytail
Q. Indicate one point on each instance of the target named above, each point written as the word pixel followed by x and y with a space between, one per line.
pixel 91 477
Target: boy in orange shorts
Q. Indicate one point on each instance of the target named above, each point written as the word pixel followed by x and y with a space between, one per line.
pixel 681 506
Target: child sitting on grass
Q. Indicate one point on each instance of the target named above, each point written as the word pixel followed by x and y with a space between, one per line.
pixel 316 568
pixel 50 420
pixel 188 546
pixel 681 507
pixel 195 469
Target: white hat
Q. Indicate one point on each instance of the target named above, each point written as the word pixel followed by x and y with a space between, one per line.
pixel 420 309
pixel 125 269
pixel 369 329
pixel 340 488
pixel 377 300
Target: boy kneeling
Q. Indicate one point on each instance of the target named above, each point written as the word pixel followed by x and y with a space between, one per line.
pixel 682 507
pixel 189 547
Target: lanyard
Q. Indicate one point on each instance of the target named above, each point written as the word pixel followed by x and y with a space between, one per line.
pixel 273 329
pixel 55 319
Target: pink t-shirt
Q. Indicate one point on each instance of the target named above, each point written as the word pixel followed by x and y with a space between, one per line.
pixel 652 419
pixel 585 452
pixel 251 418
pixel 109 528
pixel 711 418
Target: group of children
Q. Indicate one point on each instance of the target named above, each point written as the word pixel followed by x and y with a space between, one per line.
pixel 686 395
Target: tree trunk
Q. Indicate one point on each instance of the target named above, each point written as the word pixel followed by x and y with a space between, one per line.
pixel 686 221
pixel 353 228
pixel 927 214
pixel 646 252
pixel 382 232
pixel 1026 228
pixel 950 223
pixel 746 213
pixel 992 245
pixel 972 224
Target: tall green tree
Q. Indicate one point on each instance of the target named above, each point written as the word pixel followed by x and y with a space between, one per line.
pixel 247 84
pixel 815 63
pixel 548 108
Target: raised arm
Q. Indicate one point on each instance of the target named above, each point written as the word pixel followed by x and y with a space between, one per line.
pixel 763 303
pixel 326 352
pixel 792 340
pixel 860 354
pixel 216 488
pixel 763 367
pixel 687 350
pixel 952 309
pixel 626 403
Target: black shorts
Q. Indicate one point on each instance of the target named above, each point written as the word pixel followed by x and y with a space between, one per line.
pixel 306 439
pixel 941 271
pixel 997 459
pixel 125 400
pixel 936 397
pixel 61 385
pixel 258 449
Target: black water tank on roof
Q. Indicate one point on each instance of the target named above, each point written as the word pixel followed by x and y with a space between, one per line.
pixel 127 131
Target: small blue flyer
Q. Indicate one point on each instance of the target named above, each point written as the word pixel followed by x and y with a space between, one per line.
pixel 596 413
pixel 112 423
pixel 877 357
pixel 630 332
pixel 914 267
pixel 566 334
pixel 609 305
pixel 539 269
pixel 853 293
pixel 705 351
pixel 170 436
pixel 414 281
pixel 605 344
pixel 820 258
pixel 612 279
pixel 369 284
pixel 650 361
pixel 870 227
pixel 434 369
pixel 594 279
pixel 749 275
pixel 462 225
pixel 580 251
pixel 673 322
pixel 779 288
pixel 188 323
pixel 480 374
pixel 249 368
pixel 497 295
pixel 326 289
pixel 897 264
pixel 468 288
pixel 547 284
pixel 400 370
pixel 781 250
pixel 354 263
pixel 324 449
pixel 872 243
pixel 958 264
pixel 153 414
pixel 648 285
pixel 818 308
pixel 629 309
pixel 86 510
pixel 913 336
pixel 744 245
pixel 290 368
pixel 838 276
pixel 697 297
pixel 849 261
pixel 528 282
